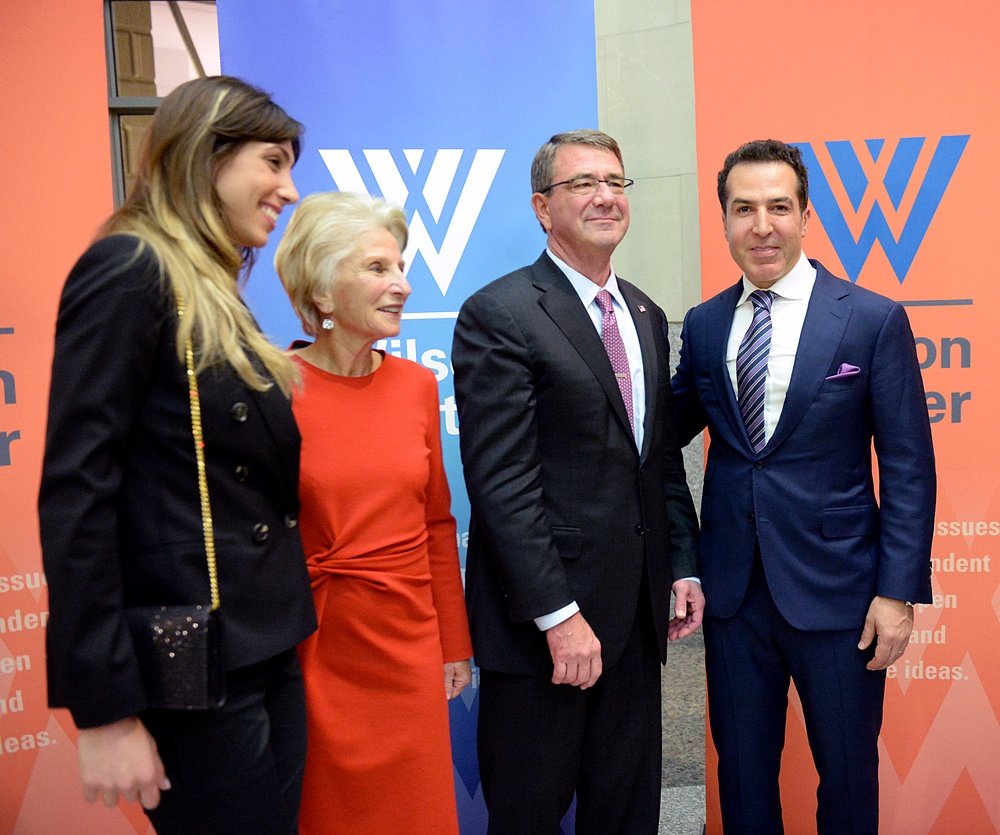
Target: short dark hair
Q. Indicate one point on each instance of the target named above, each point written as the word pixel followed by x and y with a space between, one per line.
pixel 766 150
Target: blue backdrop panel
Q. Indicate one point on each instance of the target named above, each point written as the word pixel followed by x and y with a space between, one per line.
pixel 439 106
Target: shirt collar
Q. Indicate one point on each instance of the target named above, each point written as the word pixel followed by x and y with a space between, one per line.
pixel 586 289
pixel 796 284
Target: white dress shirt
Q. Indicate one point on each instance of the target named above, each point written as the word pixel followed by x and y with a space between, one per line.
pixel 788 312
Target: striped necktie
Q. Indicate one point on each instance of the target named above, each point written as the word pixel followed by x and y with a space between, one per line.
pixel 613 344
pixel 751 367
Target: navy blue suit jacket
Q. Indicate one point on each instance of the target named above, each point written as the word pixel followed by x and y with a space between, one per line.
pixel 827 545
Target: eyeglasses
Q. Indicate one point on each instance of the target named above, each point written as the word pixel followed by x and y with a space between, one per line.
pixel 590 185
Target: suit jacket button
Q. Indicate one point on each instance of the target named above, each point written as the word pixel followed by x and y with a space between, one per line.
pixel 261 532
pixel 241 473
pixel 239 412
pixel 291 520
pixel 752 518
pixel 639 529
pixel 758 465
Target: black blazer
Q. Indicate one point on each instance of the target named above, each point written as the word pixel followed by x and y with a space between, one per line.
pixel 564 506
pixel 119 503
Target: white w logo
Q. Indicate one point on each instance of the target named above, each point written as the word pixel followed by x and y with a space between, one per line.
pixel 442 263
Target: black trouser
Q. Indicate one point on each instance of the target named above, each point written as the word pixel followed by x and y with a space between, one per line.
pixel 539 742
pixel 239 769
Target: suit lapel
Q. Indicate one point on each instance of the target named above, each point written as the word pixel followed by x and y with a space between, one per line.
pixel 650 357
pixel 560 301
pixel 826 319
pixel 717 328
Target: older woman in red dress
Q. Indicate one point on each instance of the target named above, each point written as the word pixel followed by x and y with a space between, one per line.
pixel 393 643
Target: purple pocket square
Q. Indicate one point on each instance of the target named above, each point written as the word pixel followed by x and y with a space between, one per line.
pixel 845 370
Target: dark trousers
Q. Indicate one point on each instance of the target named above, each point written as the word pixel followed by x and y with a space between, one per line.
pixel 750 659
pixel 539 743
pixel 237 770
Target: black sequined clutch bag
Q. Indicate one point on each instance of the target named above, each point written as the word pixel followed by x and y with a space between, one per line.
pixel 179 653
pixel 179 648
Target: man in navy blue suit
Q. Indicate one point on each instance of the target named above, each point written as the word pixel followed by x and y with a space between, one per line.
pixel 808 577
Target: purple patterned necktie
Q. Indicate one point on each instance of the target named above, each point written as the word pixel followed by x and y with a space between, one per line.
pixel 613 344
pixel 751 367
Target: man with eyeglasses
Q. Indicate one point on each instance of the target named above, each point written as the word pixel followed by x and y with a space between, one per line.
pixel 582 522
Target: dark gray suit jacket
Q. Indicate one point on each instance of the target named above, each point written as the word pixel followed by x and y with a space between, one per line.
pixel 564 506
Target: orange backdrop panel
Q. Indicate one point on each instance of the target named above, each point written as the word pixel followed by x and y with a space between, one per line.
pixel 56 170
pixel 877 76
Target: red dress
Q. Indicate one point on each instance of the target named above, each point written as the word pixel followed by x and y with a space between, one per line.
pixel 382 556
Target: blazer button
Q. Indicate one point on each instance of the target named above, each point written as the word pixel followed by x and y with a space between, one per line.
pixel 242 472
pixel 752 518
pixel 758 465
pixel 239 412
pixel 261 532
pixel 639 529
pixel 291 520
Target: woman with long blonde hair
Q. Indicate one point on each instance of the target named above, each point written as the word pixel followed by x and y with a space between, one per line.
pixel 123 519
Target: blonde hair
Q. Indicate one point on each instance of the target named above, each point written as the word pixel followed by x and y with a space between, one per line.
pixel 175 211
pixel 323 231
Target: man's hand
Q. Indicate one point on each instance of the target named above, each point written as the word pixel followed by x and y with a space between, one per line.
pixel 689 609
pixel 575 651
pixel 892 621
pixel 457 674
pixel 121 758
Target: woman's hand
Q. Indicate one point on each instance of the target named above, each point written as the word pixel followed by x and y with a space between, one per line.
pixel 457 674
pixel 121 759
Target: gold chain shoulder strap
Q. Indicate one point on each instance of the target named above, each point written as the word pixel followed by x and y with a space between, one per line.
pixel 199 454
